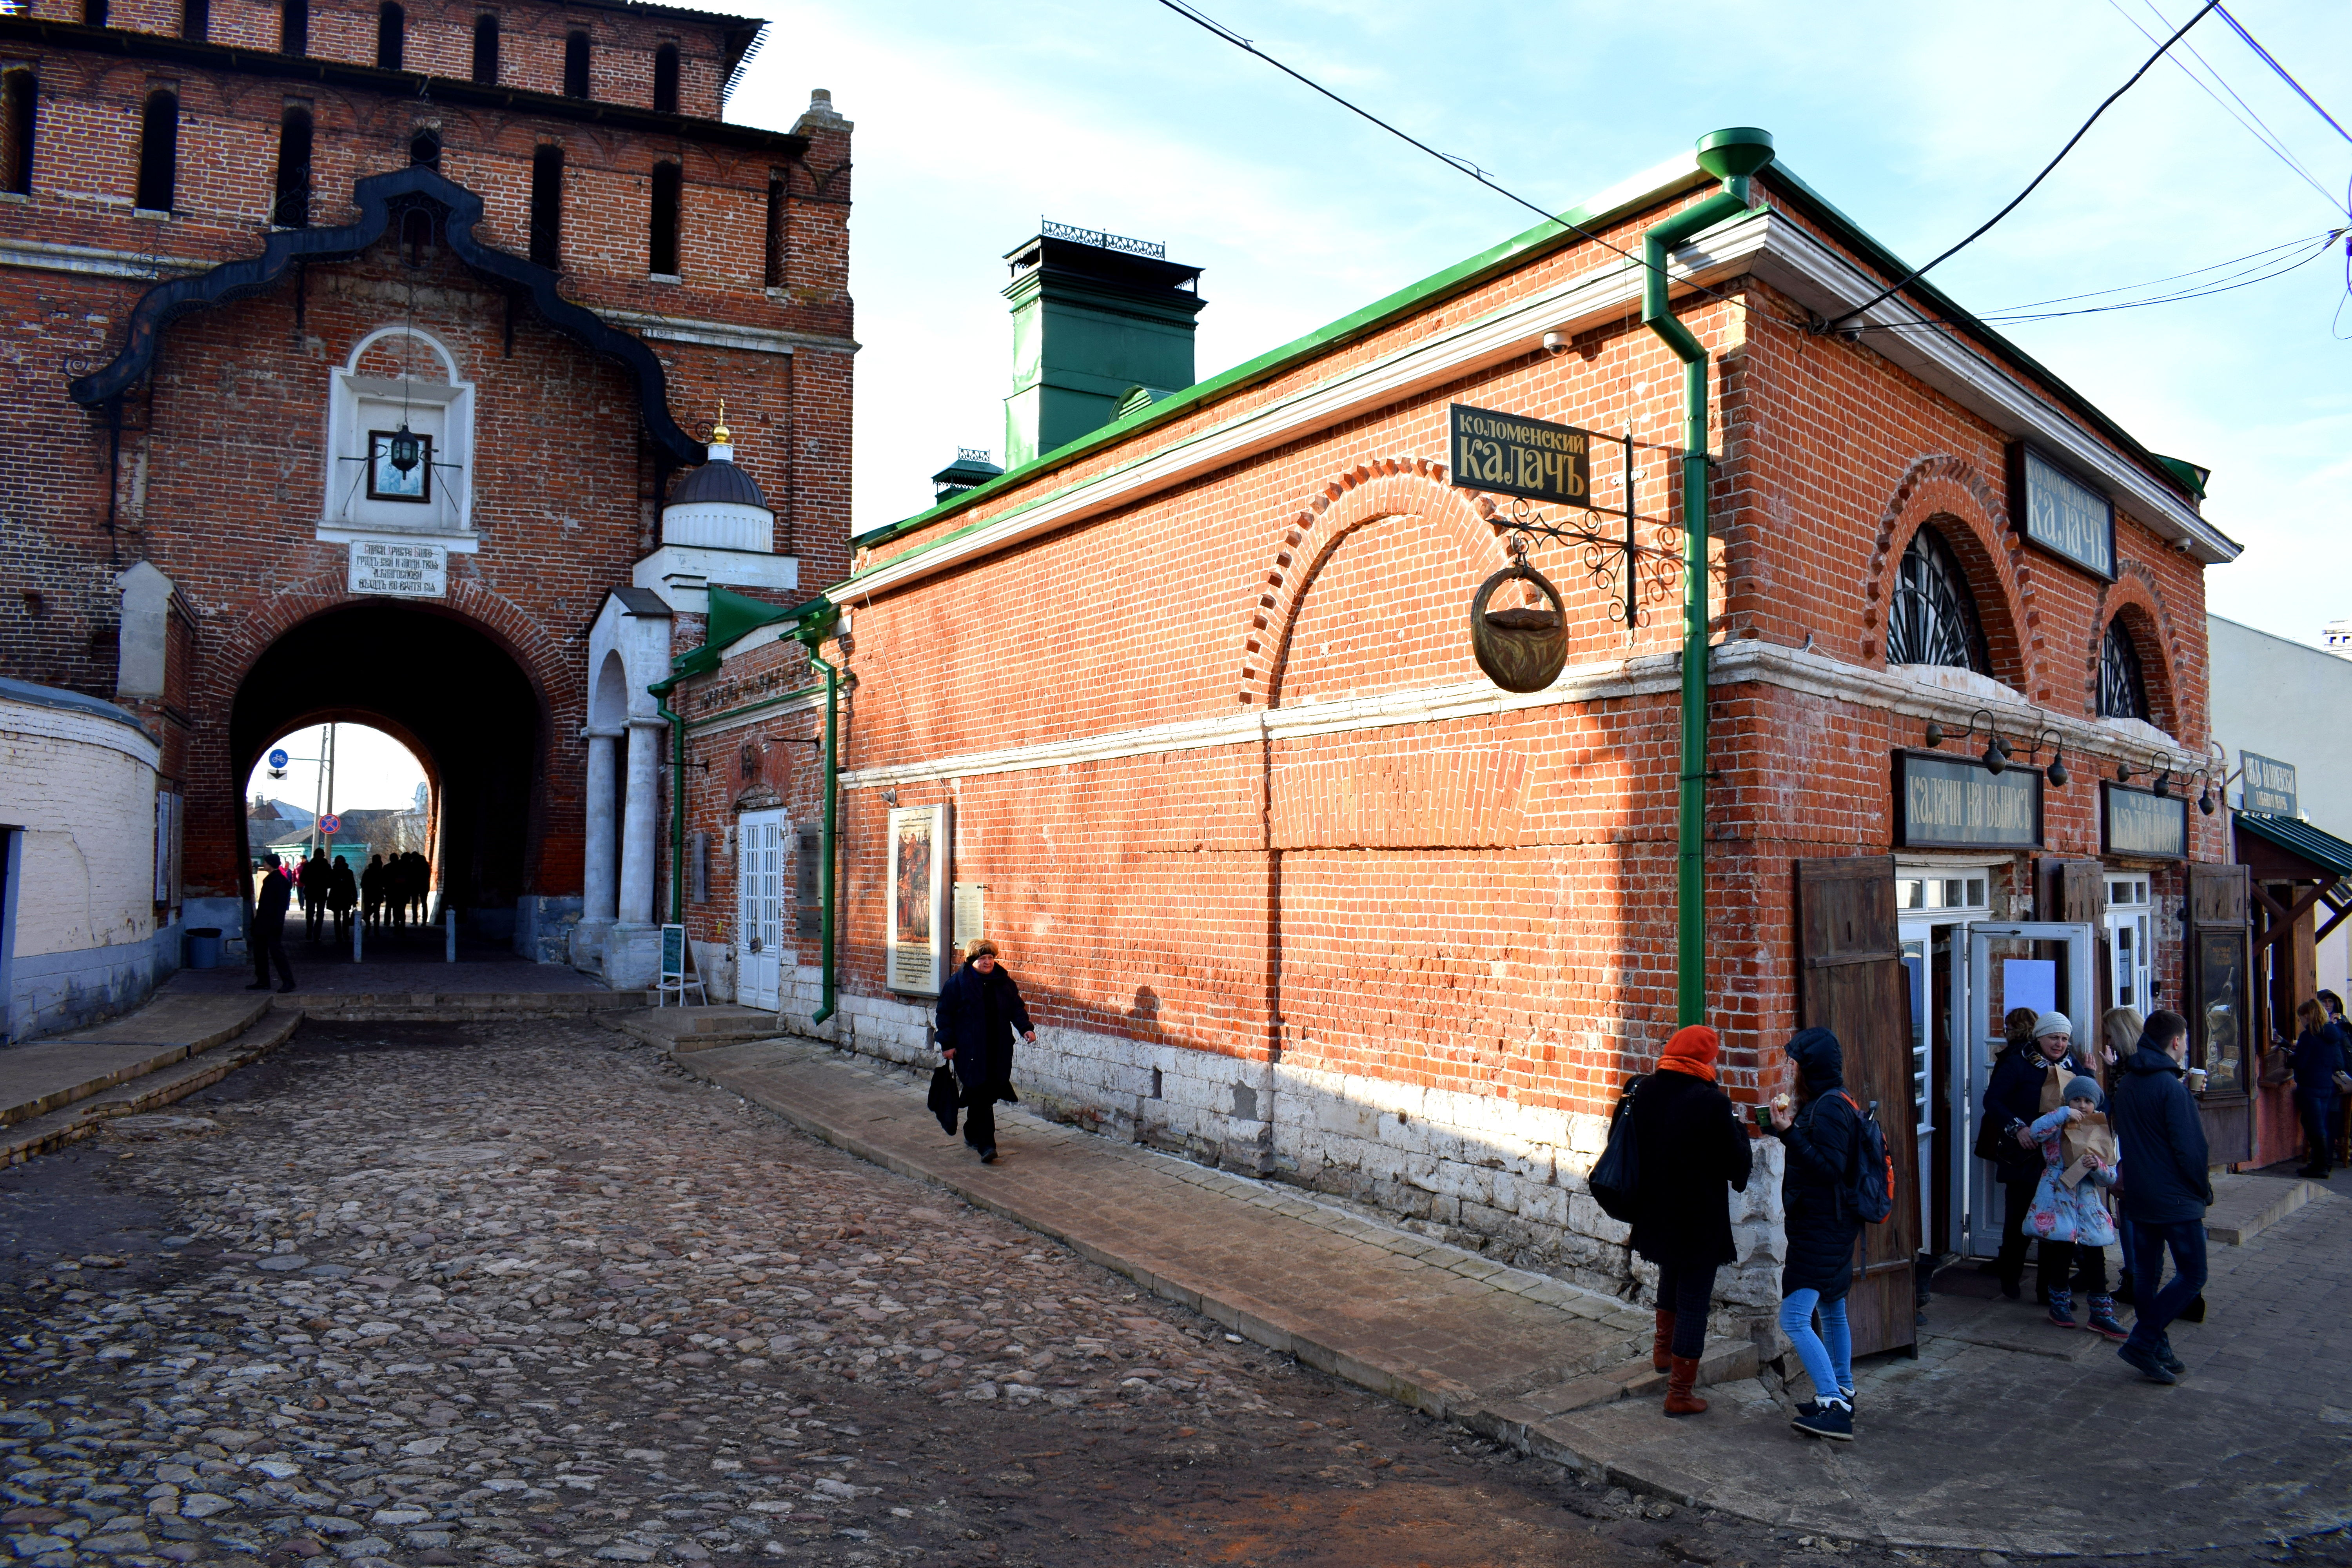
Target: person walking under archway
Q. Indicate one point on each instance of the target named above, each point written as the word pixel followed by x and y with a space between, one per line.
pixel 1694 1154
pixel 316 875
pixel 980 1010
pixel 342 892
pixel 372 892
pixel 267 936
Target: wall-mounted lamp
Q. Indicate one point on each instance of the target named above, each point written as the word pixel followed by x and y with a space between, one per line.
pixel 889 797
pixel 1997 751
pixel 2205 790
pixel 2057 772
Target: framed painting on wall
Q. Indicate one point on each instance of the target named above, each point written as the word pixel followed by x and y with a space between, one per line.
pixel 921 857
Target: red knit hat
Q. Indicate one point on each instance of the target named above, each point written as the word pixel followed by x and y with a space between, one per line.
pixel 1692 1050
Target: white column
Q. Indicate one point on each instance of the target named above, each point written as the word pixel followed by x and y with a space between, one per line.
pixel 596 886
pixel 640 823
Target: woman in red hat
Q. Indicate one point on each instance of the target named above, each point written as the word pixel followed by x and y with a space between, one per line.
pixel 1694 1154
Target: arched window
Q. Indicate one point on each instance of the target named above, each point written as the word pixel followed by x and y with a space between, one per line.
pixel 293 205
pixel 668 185
pixel 2123 689
pixel 666 79
pixel 575 65
pixel 197 20
pixel 391 37
pixel 19 95
pixel 547 206
pixel 159 151
pixel 486 50
pixel 1934 617
pixel 294 27
pixel 425 149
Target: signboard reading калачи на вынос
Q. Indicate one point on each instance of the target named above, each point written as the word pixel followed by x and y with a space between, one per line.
pixel 1956 803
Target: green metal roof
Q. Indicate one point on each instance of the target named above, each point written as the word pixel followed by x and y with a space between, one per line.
pixel 2296 836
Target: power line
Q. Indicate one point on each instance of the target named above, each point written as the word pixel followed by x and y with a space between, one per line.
pixel 2255 126
pixel 2253 256
pixel 2086 130
pixel 2221 285
pixel 2283 74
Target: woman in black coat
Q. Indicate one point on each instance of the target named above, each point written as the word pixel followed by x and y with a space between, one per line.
pixel 1690 1146
pixel 1816 1201
pixel 2028 1080
pixel 980 1007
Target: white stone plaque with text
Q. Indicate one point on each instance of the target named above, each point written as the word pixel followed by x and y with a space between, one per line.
pixel 397 567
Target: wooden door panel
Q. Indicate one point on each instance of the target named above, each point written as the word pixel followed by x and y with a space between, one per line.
pixel 1851 981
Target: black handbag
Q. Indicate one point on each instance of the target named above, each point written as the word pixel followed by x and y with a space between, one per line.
pixel 1616 1178
pixel 946 1096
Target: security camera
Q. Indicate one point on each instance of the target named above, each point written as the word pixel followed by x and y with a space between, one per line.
pixel 1555 343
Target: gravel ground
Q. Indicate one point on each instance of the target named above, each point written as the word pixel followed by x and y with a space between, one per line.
pixel 523 1293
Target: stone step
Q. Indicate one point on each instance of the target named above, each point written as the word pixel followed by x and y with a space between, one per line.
pixel 1513 1421
pixel 37 1079
pixel 2245 1206
pixel 459 1006
pixel 680 1030
pixel 160 1085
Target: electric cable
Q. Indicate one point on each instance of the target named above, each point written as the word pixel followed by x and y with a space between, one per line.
pixel 2324 243
pixel 2173 278
pixel 2084 131
pixel 2283 74
pixel 2255 126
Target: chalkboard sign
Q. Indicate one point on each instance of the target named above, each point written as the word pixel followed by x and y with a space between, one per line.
pixel 1956 803
pixel 673 953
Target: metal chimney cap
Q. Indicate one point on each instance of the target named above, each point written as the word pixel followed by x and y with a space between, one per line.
pixel 1735 152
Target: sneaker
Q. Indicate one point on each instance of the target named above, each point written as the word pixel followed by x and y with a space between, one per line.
pixel 988 1156
pixel 2172 1364
pixel 1810 1406
pixel 1830 1418
pixel 2011 1289
pixel 2146 1362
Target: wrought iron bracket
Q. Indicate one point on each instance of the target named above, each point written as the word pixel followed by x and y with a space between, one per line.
pixel 1634 576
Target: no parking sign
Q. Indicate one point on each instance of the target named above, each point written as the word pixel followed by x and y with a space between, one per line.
pixel 330 823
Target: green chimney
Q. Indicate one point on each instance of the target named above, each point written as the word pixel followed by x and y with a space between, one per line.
pixel 1096 318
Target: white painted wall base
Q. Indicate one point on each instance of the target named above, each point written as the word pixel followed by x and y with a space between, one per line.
pixel 632 960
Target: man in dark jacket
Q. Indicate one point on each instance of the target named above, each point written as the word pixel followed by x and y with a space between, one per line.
pixel 1817 1200
pixel 2318 1059
pixel 2166 1190
pixel 2027 1082
pixel 316 875
pixel 268 937
pixel 979 1008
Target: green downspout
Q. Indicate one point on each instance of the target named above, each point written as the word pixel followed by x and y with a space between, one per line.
pixel 1732 156
pixel 810 632
pixel 676 797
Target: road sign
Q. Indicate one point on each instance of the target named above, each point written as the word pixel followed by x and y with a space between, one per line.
pixel 330 823
pixel 279 759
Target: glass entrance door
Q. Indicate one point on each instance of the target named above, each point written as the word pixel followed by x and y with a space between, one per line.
pixel 1934 904
pixel 760 923
pixel 2130 955
pixel 2050 958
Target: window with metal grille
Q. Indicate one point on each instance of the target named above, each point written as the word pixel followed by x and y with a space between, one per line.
pixel 2123 689
pixel 291 208
pixel 1934 617
pixel 425 149
pixel 294 27
pixel 159 151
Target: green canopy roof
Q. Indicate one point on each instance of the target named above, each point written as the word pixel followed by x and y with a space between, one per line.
pixel 2322 848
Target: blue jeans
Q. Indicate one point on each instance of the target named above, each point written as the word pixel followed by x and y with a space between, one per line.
pixel 2156 1309
pixel 1828 1355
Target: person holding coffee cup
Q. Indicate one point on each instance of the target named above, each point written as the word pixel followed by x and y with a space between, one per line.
pixel 2028 1083
pixel 2318 1061
pixel 2161 1141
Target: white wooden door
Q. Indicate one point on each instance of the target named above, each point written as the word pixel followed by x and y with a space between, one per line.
pixel 762 837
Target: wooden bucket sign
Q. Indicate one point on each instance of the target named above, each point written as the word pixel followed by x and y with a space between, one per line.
pixel 1524 647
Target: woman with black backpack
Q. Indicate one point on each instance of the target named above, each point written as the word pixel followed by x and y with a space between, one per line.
pixel 1822 1225
pixel 1693 1155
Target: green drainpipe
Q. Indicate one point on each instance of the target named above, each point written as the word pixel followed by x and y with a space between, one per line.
pixel 810 632
pixel 676 797
pixel 1732 156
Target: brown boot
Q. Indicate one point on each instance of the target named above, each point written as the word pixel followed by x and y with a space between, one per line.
pixel 1680 1381
pixel 1662 1349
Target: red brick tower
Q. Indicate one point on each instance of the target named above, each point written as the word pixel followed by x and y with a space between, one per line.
pixel 383 331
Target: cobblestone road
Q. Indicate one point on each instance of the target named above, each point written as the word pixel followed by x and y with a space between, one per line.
pixel 525 1294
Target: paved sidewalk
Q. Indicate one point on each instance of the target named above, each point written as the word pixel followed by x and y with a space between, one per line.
pixel 2005 1435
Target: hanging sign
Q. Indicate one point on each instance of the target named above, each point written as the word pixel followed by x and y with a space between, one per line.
pixel 1956 803
pixel 2061 513
pixel 920 852
pixel 2270 785
pixel 399 568
pixel 2142 824
pixel 1515 456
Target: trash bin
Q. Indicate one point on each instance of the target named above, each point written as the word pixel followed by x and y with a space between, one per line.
pixel 204 947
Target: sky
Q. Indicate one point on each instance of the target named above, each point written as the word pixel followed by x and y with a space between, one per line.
pixel 1919 121
pixel 372 771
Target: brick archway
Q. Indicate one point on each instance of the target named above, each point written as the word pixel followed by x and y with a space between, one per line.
pixel 1969 512
pixel 1374 489
pixel 2134 598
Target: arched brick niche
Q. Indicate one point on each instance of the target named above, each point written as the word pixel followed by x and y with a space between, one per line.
pixel 2132 600
pixel 1965 510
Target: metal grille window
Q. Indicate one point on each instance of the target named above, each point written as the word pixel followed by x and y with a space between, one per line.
pixel 1934 618
pixel 2123 690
